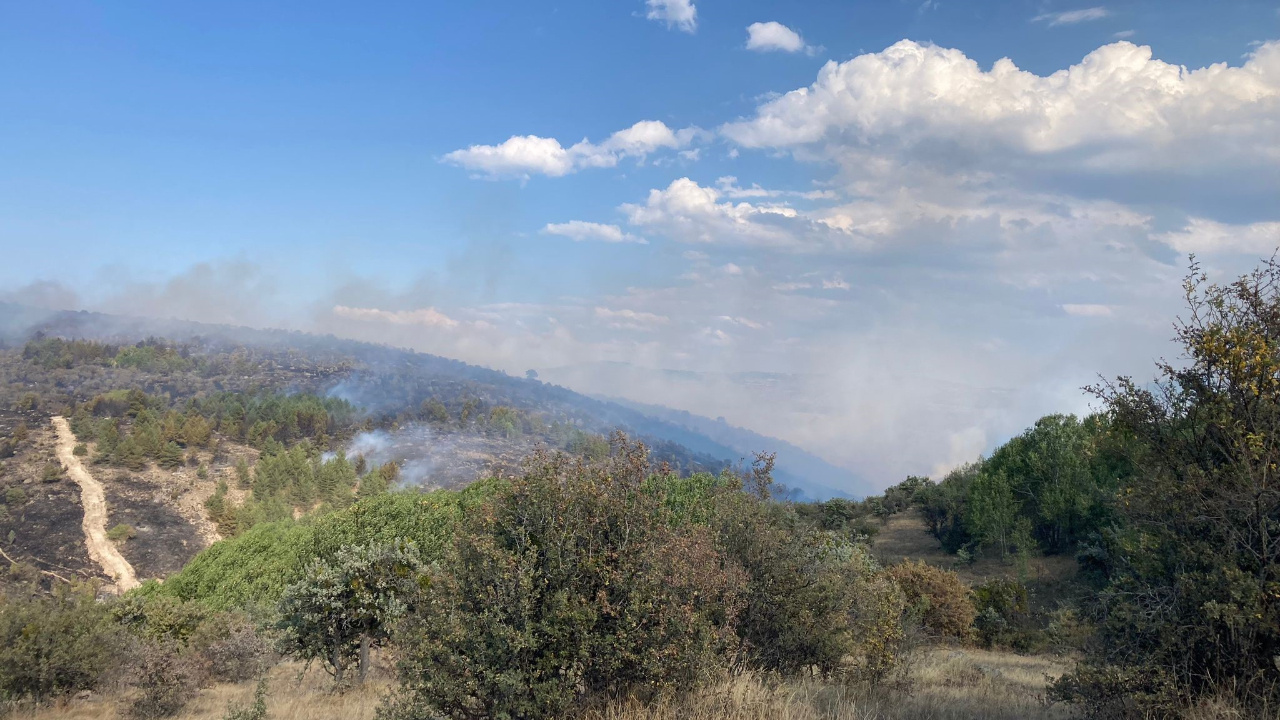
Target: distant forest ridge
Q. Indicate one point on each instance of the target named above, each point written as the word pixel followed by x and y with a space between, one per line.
pixel 388 380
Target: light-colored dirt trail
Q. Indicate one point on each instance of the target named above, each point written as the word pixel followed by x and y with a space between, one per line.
pixel 101 550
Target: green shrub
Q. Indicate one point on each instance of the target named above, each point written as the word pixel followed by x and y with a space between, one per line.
pixel 786 624
pixel 566 584
pixel 80 450
pixel 121 533
pixel 15 496
pixel 52 472
pixel 54 645
pixel 1190 610
pixel 1002 610
pixel 160 619
pixel 248 570
pixel 876 619
pixel 254 567
pixel 220 645
pixel 230 649
pixel 942 601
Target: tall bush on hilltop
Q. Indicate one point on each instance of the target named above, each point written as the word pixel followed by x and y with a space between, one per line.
pixel 568 583
pixel 1193 603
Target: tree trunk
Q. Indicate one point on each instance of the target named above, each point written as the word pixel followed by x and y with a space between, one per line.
pixel 337 663
pixel 364 657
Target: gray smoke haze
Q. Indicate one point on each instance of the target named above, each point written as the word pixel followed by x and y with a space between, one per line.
pixel 865 378
pixel 430 459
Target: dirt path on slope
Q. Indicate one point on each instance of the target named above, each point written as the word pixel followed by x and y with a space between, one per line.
pixel 101 550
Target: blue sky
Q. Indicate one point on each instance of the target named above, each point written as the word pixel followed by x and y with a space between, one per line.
pixel 942 244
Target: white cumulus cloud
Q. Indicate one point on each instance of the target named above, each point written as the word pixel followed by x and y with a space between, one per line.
pixel 775 37
pixel 427 317
pixel 679 14
pixel 1118 108
pixel 1087 310
pixel 580 230
pixel 525 155
pixel 626 319
pixel 689 212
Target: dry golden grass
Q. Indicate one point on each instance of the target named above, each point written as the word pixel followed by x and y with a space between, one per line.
pixel 946 684
pixel 294 695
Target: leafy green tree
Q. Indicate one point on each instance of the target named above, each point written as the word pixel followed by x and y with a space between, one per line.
pixel 340 608
pixel 945 506
pixel 243 477
pixel 196 431
pixel 335 480
pixel 994 512
pixel 130 454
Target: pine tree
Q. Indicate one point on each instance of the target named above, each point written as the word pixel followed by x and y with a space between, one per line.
pixel 129 454
pixel 170 456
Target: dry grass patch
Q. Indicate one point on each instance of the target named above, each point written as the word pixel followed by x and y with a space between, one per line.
pixel 946 684
pixel 293 695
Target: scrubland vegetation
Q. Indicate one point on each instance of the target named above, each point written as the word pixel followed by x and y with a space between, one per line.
pixel 600 582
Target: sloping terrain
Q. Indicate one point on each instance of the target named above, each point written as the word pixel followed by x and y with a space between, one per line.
pixel 393 384
pixel 797 469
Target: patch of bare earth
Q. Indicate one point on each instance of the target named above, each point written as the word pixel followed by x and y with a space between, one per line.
pixel 162 539
pixel 184 492
pixel 94 503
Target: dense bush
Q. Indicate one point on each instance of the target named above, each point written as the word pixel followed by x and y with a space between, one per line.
pixel 230 649
pixel 799 587
pixel 587 578
pixel 55 644
pixel 217 645
pixel 1191 607
pixel 941 600
pixel 166 677
pixel 1002 607
pixel 567 583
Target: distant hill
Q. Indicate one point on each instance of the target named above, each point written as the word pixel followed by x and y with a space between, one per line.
pixel 797 468
pixel 394 382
